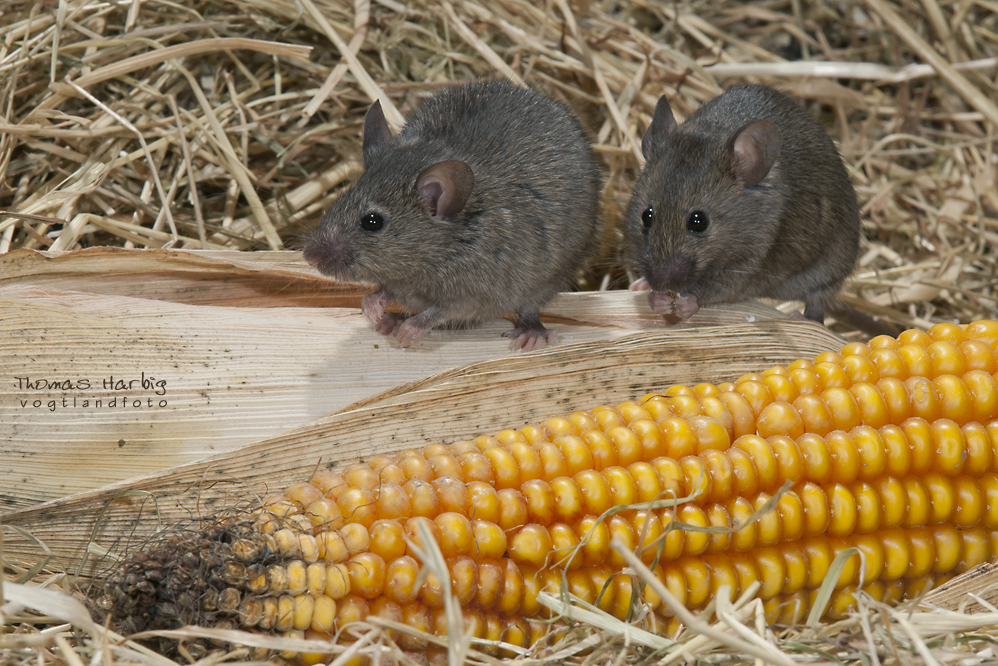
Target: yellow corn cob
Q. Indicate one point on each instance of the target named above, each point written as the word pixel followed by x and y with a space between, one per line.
pixel 889 447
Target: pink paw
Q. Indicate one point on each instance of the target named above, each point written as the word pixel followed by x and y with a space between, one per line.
pixel 531 339
pixel 387 324
pixel 410 332
pixel 373 306
pixel 683 306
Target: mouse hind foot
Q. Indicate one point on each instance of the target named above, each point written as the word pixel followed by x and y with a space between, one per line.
pixel 530 334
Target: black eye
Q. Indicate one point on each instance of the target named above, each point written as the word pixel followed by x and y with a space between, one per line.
pixel 648 216
pixel 372 222
pixel 698 222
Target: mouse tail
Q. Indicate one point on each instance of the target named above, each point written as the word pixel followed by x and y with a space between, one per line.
pixel 849 315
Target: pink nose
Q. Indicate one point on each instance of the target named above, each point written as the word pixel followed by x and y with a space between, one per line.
pixel 311 255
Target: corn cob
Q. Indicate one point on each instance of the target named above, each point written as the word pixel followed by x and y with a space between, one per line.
pixel 889 447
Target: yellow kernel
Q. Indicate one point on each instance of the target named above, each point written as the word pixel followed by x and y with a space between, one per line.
pixel 540 501
pixel 772 571
pixel 805 381
pixel 324 514
pixel 652 443
pixel 916 360
pixel 922 395
pixel 744 539
pixel 552 461
pixel 922 553
pixel 387 539
pixel 513 587
pixel 868 507
pixel 795 567
pixel 456 536
pixel 507 472
pixel 897 450
pixel 337 581
pixel 950 447
pixel 976 549
pixel 577 455
pixel 722 475
pixel 791 512
pixel 872 452
pixel 919 509
pixel 400 580
pixel 534 434
pixel 697 576
pixel 490 540
pixel 742 416
pixel 843 408
pixel 531 545
pixel 969 503
pixel 491 579
pixel 696 478
pixel 781 387
pixel 297 581
pixel 717 516
pixel 858 368
pixel 694 542
pixel 816 456
pixel 746 476
pixel 769 522
pixel 816 512
pixel 780 418
pixel 819 560
pixel 512 509
pixel 594 491
pixel 815 413
pixel 463 579
pixel 845 457
pixel 883 342
pixel 646 481
pixel 889 363
pixel 483 502
pixel 527 460
pixel 831 375
pixel 558 427
pixel 367 575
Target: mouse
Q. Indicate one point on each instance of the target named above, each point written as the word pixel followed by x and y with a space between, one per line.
pixel 482 207
pixel 747 198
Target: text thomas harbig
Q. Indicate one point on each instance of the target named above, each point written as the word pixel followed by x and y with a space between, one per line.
pixel 119 388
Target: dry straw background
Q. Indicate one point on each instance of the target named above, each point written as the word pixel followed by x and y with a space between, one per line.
pixel 231 125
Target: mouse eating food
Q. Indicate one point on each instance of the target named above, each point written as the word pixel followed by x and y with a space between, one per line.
pixel 481 208
pixel 747 198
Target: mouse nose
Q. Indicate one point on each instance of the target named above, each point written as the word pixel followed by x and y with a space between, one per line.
pixel 331 255
pixel 673 275
pixel 311 254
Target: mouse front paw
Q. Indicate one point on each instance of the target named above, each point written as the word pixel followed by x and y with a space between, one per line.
pixel 373 306
pixel 531 338
pixel 683 306
pixel 387 324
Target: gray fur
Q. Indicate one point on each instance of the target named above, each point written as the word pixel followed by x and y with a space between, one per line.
pixel 794 235
pixel 530 220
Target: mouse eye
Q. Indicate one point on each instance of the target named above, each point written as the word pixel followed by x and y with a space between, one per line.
pixel 372 222
pixel 698 222
pixel 648 216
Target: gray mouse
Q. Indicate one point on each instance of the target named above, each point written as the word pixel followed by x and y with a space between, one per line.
pixel 482 207
pixel 747 198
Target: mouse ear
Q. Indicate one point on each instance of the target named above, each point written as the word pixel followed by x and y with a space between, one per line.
pixel 444 188
pixel 755 147
pixel 376 130
pixel 663 123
